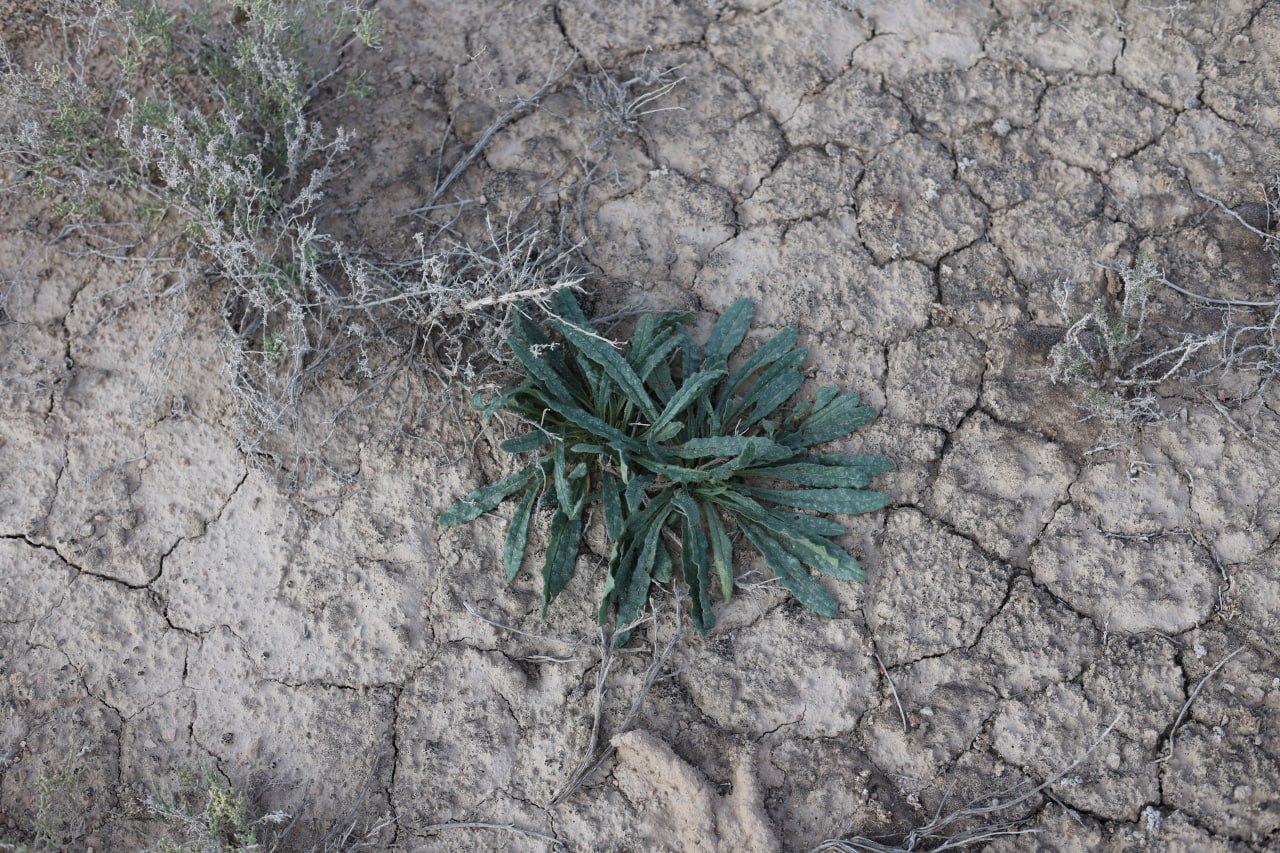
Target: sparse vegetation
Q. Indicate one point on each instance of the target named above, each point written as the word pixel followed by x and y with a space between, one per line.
pixel 58 819
pixel 1119 362
pixel 204 813
pixel 668 441
pixel 206 122
pixel 191 813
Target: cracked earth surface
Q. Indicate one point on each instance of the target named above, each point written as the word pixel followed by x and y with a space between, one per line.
pixel 905 181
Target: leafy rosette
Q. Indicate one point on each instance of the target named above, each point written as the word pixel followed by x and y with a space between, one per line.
pixel 676 446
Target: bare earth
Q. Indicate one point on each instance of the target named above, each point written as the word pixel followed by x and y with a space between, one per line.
pixel 905 181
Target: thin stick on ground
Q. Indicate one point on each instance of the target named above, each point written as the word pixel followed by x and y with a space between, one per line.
pixel 517 109
pixel 1186 706
pixel 889 680
pixel 938 835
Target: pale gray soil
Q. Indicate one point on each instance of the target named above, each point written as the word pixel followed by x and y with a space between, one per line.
pixel 905 181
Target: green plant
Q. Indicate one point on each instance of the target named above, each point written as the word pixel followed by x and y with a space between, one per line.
pixel 670 442
pixel 58 820
pixel 207 814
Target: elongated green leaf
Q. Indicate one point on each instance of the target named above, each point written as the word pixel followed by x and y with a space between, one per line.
pixel 817 474
pixel 728 333
pixel 818 554
pixel 777 391
pixel 825 395
pixel 772 350
pixel 844 566
pixel 811 525
pixel 566 306
pixel 617 439
pixel 611 502
pixel 663 433
pixel 790 573
pixel 528 332
pixel 792 532
pixel 637 592
pixel 542 371
pixel 560 477
pixel 660 381
pixel 783 371
pixel 696 386
pixel 499 401
pixel 486 498
pixel 677 473
pixel 841 417
pixel 662 566
pixel 582 447
pixel 693 549
pixel 562 555
pixel 636 489
pixel 731 445
pixel 602 353
pixel 616 579
pixel 658 356
pixel 643 340
pixel 721 552
pixel 518 532
pixel 842 501
pixel 524 443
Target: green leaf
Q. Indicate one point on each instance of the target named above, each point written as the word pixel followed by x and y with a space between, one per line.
pixel 659 379
pixel 728 333
pixel 790 573
pixel 579 416
pixel 636 490
pixel 642 340
pixel 602 353
pixel 872 465
pixel 841 417
pixel 731 446
pixel 560 477
pixel 637 592
pixel 721 552
pixel 810 525
pixel 677 473
pixel 665 432
pixel 659 356
pixel 773 392
pixel 662 566
pixel 499 401
pixel 485 498
pixel 818 554
pixel 817 474
pixel 528 333
pixel 542 371
pixel 566 306
pixel 693 550
pixel 842 501
pixel 695 387
pixel 772 350
pixel 518 533
pixel 593 449
pixel 611 501
pixel 524 443
pixel 562 555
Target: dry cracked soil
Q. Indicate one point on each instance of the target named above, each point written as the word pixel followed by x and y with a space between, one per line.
pixel 906 181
